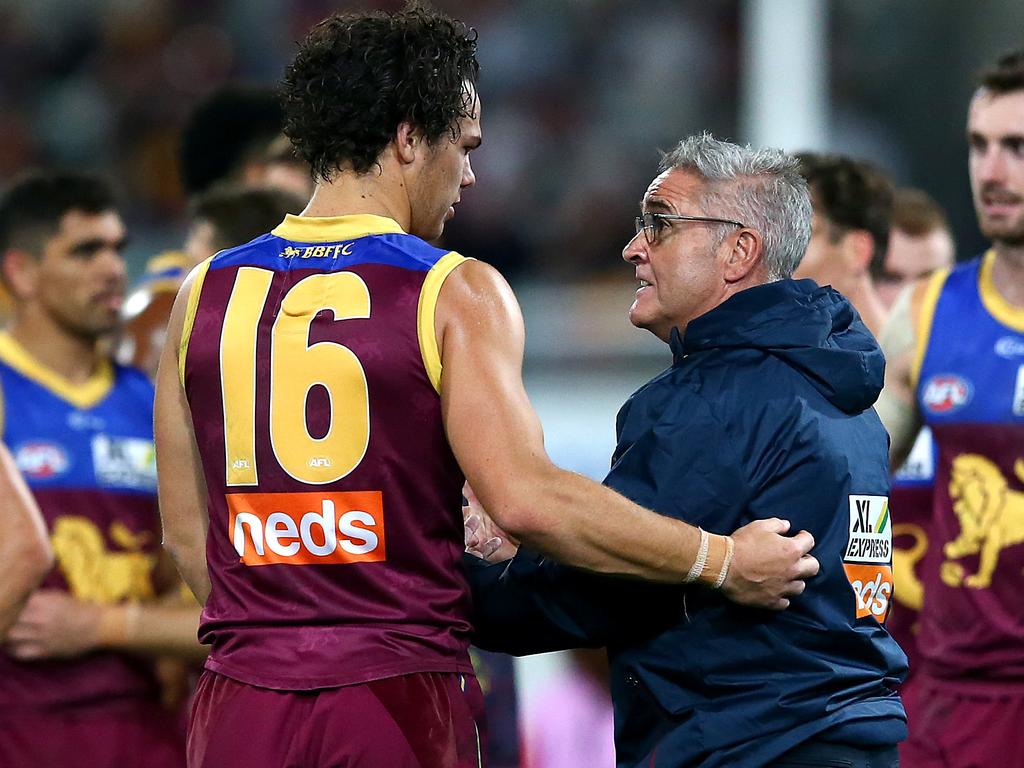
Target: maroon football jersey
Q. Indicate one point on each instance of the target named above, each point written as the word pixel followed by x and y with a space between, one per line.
pixel 312 372
pixel 970 391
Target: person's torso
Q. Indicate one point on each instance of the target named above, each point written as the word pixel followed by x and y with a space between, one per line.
pixel 970 391
pixel 727 685
pixel 335 537
pixel 87 455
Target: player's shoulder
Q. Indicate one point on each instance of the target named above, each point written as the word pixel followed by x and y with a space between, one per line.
pixel 132 382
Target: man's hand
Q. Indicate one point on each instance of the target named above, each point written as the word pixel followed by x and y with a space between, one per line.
pixel 768 567
pixel 54 624
pixel 484 538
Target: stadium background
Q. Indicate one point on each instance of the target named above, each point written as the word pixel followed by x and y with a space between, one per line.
pixel 577 97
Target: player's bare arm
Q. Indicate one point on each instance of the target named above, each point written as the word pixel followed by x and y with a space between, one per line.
pixel 496 437
pixel 897 405
pixel 181 485
pixel 25 554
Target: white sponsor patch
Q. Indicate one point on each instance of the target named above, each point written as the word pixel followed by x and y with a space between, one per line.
pixel 124 461
pixel 870 538
pixel 920 464
pixel 1018 393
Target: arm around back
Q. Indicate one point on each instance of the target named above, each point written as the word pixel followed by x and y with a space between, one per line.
pixel 497 439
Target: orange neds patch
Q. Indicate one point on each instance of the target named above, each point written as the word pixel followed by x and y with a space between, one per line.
pixel 872 586
pixel 307 528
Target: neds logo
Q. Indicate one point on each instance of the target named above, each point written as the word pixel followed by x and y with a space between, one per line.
pixel 307 528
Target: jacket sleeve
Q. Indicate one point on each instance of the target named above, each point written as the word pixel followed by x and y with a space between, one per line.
pixel 534 605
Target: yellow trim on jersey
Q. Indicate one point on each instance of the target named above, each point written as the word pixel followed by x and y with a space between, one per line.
pixel 84 395
pixel 923 321
pixel 330 229
pixel 190 315
pixel 1006 313
pixel 167 260
pixel 425 314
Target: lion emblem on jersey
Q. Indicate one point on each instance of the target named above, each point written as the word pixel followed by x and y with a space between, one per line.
pixel 96 574
pixel 991 517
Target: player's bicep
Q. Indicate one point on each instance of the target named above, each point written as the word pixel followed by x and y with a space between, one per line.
pixel 491 425
pixel 182 489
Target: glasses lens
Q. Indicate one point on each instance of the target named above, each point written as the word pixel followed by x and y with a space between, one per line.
pixel 648 224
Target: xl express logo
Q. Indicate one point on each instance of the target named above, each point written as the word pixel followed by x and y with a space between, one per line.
pixel 307 528
pixel 867 558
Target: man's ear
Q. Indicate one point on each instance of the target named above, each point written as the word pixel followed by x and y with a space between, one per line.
pixel 408 142
pixel 20 272
pixel 744 255
pixel 858 247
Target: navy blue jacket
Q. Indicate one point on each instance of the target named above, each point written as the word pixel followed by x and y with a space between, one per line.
pixel 766 412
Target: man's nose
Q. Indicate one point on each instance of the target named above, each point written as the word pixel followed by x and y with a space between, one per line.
pixel 636 249
pixel 468 177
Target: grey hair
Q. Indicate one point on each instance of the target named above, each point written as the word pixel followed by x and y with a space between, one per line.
pixel 762 188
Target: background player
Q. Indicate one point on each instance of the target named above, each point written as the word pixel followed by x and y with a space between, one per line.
pixel 372 614
pixel 955 345
pixel 920 242
pixel 76 688
pixel 850 233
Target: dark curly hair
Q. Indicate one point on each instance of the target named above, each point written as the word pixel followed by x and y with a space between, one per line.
pixel 853 194
pixel 358 76
pixel 1006 76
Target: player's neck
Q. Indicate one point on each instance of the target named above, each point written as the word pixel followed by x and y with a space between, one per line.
pixel 72 357
pixel 862 294
pixel 1008 272
pixel 350 194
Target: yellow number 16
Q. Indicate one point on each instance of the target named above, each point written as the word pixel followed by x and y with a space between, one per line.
pixel 296 366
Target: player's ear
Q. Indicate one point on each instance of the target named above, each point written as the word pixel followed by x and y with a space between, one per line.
pixel 408 141
pixel 858 246
pixel 20 272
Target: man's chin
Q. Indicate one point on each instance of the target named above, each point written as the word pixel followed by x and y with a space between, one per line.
pixel 1011 235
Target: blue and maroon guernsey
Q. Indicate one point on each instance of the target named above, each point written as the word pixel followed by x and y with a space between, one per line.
pixel 970 390
pixel 86 452
pixel 312 372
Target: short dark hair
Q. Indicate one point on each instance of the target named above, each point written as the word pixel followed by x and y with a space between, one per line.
pixel 229 127
pixel 238 213
pixel 1006 75
pixel 357 76
pixel 915 212
pixel 33 205
pixel 852 194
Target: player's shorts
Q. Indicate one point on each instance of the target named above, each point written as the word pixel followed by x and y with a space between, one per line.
pixel 954 730
pixel 424 720
pixel 139 735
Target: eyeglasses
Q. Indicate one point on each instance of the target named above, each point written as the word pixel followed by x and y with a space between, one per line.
pixel 653 224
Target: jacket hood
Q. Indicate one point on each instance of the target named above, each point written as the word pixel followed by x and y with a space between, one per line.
pixel 816 331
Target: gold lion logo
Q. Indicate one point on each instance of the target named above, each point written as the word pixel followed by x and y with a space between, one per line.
pixel 991 517
pixel 95 574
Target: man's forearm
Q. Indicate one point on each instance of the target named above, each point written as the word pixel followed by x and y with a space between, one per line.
pixel 190 560
pixel 576 521
pixel 21 570
pixel 154 629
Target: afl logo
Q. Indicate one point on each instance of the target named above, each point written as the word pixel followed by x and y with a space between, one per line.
pixel 41 461
pixel 946 393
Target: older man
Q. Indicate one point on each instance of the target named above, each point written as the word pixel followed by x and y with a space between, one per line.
pixel 766 410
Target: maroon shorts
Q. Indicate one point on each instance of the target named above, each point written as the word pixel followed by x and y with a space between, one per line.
pixel 954 730
pixel 140 736
pixel 425 720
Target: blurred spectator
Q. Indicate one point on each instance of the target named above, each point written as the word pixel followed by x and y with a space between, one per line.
pixel 920 242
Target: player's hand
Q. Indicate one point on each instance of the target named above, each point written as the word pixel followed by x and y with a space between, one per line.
pixel 768 567
pixel 53 625
pixel 484 538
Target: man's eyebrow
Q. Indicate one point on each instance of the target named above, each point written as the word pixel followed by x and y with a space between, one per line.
pixel 655 203
pixel 96 243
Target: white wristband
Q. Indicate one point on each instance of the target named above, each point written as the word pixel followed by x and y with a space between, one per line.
pixel 730 546
pixel 702 558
